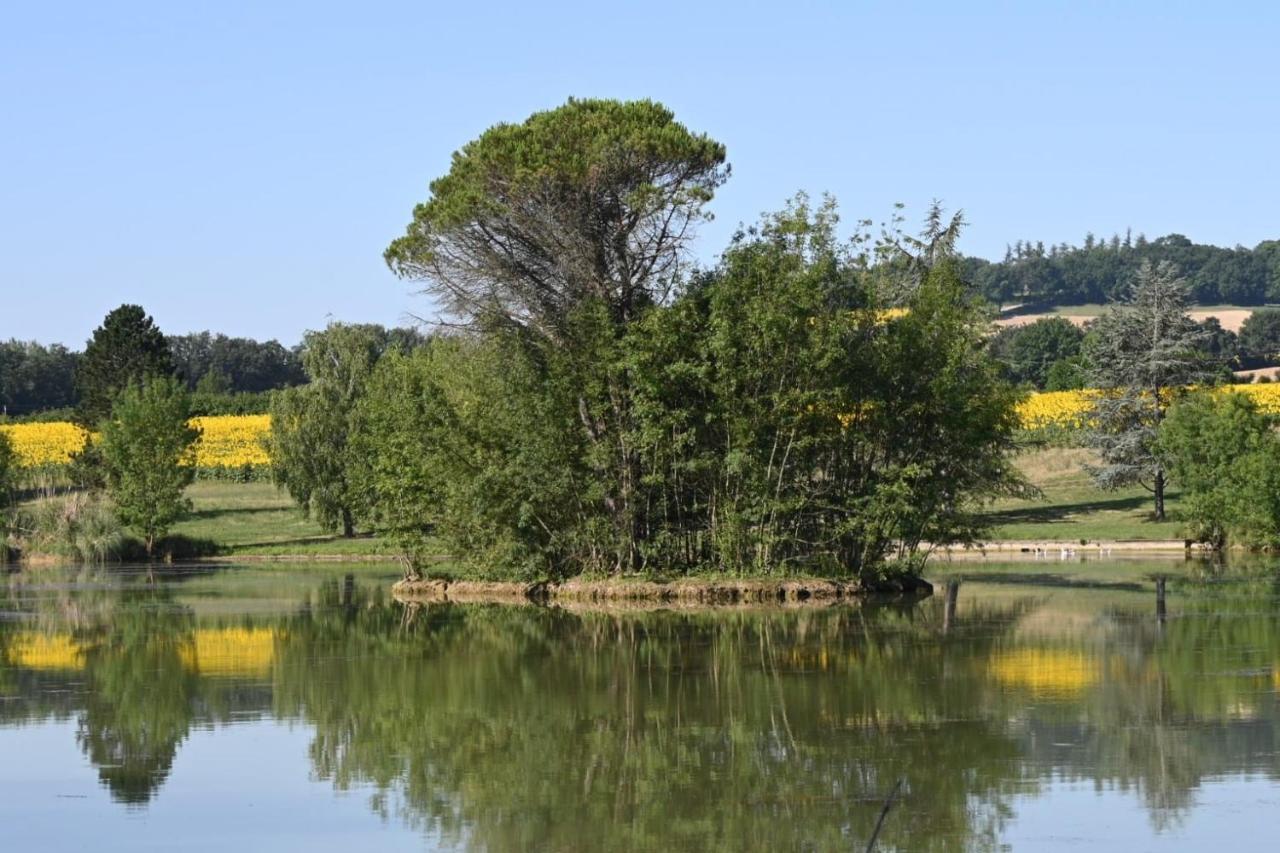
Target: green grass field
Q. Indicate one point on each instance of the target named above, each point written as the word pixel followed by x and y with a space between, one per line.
pixel 1072 508
pixel 256 519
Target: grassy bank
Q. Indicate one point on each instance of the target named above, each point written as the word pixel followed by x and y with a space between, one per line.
pixel 255 519
pixel 1073 508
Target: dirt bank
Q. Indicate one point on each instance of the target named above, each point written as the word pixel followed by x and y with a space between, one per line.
pixel 681 592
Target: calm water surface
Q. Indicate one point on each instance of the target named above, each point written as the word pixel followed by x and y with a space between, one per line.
pixel 301 708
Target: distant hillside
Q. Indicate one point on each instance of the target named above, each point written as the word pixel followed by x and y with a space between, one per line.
pixel 1100 270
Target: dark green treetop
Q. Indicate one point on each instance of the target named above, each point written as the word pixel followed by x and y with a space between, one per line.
pixel 593 200
pixel 127 347
pixel 1260 334
pixel 1030 352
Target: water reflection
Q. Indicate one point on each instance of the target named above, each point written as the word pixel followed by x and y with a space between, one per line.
pixel 522 728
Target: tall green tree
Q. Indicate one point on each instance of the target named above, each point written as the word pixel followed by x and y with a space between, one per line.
pixel 1143 355
pixel 311 424
pixel 148 452
pixel 1030 352
pixel 1259 337
pixel 1225 455
pixel 782 418
pixel 563 229
pixel 127 348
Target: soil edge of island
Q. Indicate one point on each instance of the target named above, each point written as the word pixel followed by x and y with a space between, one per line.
pixel 683 591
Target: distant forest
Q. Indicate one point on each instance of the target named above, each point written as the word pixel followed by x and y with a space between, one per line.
pixel 35 377
pixel 1100 270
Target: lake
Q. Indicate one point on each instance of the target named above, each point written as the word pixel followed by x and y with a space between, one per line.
pixel 290 707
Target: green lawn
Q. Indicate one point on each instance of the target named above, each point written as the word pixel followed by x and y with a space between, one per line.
pixel 1073 509
pixel 256 519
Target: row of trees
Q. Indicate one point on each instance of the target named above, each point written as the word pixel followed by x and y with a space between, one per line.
pixel 1156 418
pixel 1053 354
pixel 1100 271
pixel 597 407
pixel 36 378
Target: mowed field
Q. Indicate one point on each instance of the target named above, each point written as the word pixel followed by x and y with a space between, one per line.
pixel 1231 317
pixel 256 519
pixel 1072 508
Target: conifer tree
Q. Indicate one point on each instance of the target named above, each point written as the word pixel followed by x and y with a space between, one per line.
pixel 127 348
pixel 1142 355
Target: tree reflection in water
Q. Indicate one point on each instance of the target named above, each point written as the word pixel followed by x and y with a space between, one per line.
pixel 504 727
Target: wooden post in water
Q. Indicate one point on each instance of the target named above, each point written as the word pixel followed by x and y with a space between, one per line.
pixel 1161 613
pixel 949 608
pixel 349 596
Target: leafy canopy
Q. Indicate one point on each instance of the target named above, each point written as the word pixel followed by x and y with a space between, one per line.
pixel 1226 456
pixel 148 454
pixel 310 424
pixel 593 200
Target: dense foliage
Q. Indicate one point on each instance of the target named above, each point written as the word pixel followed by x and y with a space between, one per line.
pixel 8 478
pixel 127 348
pixel 217 364
pixel 35 377
pixel 1225 455
pixel 555 235
pixel 1045 354
pixel 148 455
pixel 1259 338
pixel 798 408
pixel 1100 271
pixel 311 424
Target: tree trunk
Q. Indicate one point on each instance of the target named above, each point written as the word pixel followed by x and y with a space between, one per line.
pixel 1159 493
pixel 348 524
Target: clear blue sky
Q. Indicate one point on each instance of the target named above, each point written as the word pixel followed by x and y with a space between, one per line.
pixel 239 166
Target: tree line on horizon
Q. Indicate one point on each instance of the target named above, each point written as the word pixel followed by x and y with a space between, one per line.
pixel 230 375
pixel 1100 270
pixel 1054 354
pixel 36 377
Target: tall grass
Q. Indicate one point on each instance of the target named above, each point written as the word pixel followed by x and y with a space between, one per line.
pixel 77 527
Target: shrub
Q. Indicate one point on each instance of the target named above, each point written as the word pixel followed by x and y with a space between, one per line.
pixel 79 527
pixel 148 452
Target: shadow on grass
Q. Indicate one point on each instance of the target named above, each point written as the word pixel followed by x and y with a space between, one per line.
pixel 321 539
pixel 1053 580
pixel 1064 512
pixel 235 510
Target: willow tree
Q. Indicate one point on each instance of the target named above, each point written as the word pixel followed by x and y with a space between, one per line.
pixel 311 424
pixel 561 231
pixel 1143 354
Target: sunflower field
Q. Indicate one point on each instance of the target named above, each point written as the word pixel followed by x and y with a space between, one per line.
pixel 231 446
pixel 1068 409
pixel 48 444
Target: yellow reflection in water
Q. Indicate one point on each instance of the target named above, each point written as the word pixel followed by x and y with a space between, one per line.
pixel 33 650
pixel 211 651
pixel 1045 672
pixel 231 651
